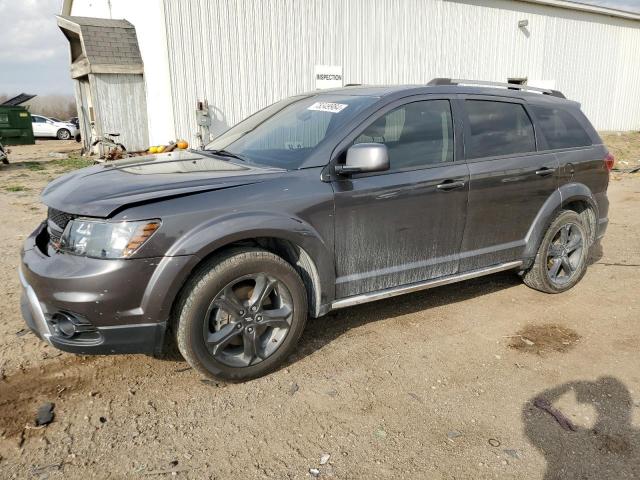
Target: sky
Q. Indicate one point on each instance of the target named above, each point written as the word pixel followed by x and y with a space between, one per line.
pixel 34 56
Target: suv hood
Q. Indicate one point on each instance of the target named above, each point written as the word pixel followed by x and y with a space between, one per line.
pixel 100 190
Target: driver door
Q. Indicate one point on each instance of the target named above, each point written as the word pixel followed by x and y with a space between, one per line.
pixel 404 225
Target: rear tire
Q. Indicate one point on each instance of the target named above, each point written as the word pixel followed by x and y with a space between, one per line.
pixel 241 315
pixel 63 134
pixel 561 261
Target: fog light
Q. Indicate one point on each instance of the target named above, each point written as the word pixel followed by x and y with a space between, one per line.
pixel 63 325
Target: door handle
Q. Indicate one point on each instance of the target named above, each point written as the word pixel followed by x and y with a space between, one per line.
pixel 545 171
pixel 450 185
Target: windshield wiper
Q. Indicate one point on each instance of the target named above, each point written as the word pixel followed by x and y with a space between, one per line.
pixel 226 153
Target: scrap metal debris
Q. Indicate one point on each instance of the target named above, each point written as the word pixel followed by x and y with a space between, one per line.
pixel 37 471
pixel 45 414
pixel 627 170
pixel 545 405
pixel 512 453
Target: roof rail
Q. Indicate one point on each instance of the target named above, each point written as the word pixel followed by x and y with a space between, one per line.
pixel 513 86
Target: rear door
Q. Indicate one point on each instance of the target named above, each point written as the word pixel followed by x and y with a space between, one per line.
pixel 568 133
pixel 509 179
pixel 403 225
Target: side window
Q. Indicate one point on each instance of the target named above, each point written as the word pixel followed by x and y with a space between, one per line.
pixel 37 119
pixel 561 128
pixel 498 128
pixel 416 134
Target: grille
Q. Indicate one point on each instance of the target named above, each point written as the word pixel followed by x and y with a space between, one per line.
pixel 56 223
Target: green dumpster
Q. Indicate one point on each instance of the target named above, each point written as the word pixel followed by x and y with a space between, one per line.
pixel 15 121
pixel 15 126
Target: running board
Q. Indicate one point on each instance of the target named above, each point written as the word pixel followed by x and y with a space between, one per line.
pixel 414 287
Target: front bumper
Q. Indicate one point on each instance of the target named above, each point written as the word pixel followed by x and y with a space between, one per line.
pixel 122 305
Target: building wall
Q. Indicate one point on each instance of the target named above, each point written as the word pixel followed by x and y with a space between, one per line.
pixel 148 18
pixel 242 55
pixel 119 103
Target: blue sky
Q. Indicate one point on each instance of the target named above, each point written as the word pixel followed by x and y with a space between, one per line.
pixel 34 57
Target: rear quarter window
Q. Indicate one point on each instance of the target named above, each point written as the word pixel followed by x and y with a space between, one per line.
pixel 560 128
pixel 498 128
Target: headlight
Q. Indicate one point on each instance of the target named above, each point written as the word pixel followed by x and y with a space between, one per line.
pixel 101 239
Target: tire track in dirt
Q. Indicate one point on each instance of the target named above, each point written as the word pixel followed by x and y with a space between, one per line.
pixel 23 391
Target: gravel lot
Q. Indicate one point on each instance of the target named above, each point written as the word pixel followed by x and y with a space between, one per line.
pixel 439 384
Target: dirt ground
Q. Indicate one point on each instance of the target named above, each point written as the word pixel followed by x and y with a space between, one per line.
pixel 43 151
pixel 440 384
pixel 625 147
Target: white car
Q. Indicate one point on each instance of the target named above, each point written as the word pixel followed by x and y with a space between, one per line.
pixel 52 127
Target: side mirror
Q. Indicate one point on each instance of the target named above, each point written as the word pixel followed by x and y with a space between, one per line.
pixel 364 158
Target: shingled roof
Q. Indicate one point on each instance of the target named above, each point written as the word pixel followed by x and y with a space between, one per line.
pixel 100 45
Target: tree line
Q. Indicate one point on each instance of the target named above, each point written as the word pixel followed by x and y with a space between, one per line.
pixel 62 107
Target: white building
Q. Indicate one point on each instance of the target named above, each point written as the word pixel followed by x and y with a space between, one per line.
pixel 238 56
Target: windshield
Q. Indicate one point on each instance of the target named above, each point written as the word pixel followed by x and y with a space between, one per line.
pixel 286 133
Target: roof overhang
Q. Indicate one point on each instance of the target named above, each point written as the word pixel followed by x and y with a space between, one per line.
pixel 67 6
pixel 581 7
pixel 99 45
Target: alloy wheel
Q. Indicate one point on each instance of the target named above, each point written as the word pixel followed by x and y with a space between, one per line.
pixel 248 320
pixel 564 254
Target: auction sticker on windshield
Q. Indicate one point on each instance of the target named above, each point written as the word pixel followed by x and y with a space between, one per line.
pixel 328 107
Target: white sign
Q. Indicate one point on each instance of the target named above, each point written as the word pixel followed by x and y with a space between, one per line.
pixel 328 107
pixel 328 76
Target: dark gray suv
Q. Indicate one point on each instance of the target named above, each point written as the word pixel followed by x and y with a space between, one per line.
pixel 318 202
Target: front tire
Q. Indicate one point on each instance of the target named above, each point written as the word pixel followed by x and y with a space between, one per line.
pixel 241 315
pixel 561 261
pixel 63 134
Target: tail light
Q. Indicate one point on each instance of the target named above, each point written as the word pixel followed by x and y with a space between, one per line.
pixel 609 160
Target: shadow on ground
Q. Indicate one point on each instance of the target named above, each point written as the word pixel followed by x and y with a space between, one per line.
pixel 322 331
pixel 610 449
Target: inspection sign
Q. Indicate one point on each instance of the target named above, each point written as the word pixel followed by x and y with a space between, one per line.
pixel 328 76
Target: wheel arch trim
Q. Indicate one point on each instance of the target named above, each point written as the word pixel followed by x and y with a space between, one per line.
pixel 302 247
pixel 560 198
